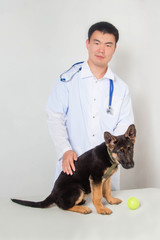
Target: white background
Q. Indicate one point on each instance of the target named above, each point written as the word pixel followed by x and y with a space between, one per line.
pixel 39 39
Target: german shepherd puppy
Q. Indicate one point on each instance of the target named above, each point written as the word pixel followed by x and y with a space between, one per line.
pixel 69 190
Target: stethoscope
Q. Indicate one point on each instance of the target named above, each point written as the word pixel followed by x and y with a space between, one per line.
pixel 111 87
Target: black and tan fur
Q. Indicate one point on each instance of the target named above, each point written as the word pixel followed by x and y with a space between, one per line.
pixel 69 190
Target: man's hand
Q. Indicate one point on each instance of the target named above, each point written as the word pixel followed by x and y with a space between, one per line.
pixel 68 162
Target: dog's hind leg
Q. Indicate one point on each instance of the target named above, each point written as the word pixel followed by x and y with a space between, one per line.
pixel 107 193
pixel 82 202
pixel 78 207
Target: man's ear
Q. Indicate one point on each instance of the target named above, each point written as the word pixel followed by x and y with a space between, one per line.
pixel 87 44
pixel 131 133
pixel 109 139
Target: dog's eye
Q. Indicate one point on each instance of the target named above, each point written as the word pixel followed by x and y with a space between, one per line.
pixel 122 150
pixel 129 148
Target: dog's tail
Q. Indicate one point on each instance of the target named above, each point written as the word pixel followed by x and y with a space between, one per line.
pixel 42 204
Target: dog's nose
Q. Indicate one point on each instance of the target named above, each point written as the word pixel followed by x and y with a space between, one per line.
pixel 131 165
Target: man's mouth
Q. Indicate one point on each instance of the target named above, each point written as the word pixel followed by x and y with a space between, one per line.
pixel 99 57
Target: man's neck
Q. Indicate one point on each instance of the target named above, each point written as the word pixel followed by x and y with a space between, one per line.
pixel 98 71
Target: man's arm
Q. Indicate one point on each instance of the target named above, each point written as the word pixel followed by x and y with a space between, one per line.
pixel 56 109
pixel 58 132
pixel 126 116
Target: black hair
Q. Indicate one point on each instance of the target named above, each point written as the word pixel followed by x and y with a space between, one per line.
pixel 104 27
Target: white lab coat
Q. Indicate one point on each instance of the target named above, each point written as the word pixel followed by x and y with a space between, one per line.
pixel 77 112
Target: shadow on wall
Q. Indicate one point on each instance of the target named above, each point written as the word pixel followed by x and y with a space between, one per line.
pixel 125 65
pixel 145 148
pixel 141 175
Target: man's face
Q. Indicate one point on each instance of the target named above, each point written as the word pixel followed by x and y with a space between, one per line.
pixel 101 48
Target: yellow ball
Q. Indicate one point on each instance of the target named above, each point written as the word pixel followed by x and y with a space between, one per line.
pixel 133 203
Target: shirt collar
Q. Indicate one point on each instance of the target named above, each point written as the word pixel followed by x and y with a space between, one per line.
pixel 86 72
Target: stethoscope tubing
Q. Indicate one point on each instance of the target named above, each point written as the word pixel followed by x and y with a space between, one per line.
pixel 111 87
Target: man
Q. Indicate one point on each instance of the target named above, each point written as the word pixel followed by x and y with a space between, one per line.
pixel 88 100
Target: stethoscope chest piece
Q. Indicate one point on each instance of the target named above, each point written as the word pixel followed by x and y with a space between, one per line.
pixel 109 110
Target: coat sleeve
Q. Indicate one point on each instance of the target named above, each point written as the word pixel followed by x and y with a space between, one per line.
pixel 56 111
pixel 126 116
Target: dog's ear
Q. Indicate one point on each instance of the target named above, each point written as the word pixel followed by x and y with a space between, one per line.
pixel 131 133
pixel 110 140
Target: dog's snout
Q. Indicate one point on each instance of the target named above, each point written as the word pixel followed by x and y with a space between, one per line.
pixel 129 165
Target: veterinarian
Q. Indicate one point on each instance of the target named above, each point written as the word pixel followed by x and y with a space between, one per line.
pixel 87 100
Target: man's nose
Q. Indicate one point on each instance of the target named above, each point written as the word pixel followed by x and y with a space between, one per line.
pixel 102 48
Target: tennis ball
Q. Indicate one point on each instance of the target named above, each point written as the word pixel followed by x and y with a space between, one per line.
pixel 133 203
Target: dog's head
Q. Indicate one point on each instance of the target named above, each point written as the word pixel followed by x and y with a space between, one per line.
pixel 121 147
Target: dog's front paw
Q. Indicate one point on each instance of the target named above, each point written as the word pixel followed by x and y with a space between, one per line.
pixel 114 201
pixel 104 211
